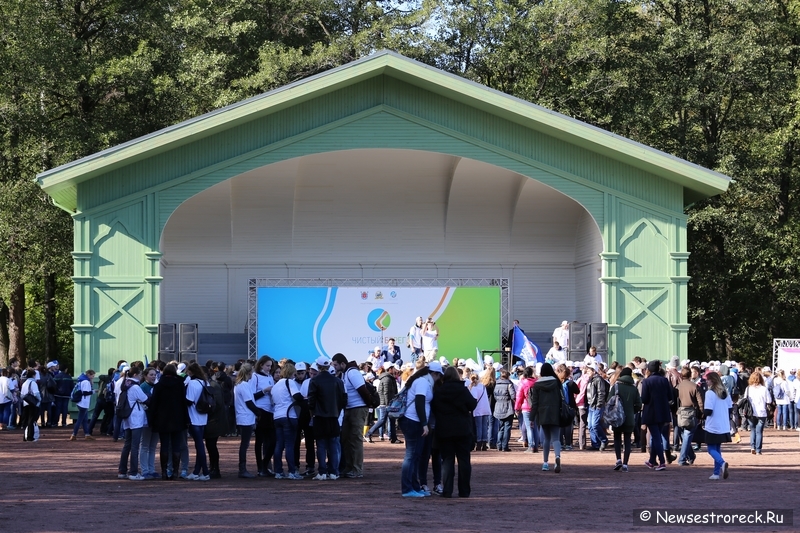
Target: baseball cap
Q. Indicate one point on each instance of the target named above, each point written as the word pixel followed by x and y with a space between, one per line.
pixel 387 365
pixel 300 367
pixel 766 369
pixel 435 367
pixel 323 360
pixel 51 364
pixel 564 322
pixel 181 367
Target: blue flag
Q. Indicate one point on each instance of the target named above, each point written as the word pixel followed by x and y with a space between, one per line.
pixel 525 349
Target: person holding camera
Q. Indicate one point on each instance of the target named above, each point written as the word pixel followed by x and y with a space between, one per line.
pixel 430 342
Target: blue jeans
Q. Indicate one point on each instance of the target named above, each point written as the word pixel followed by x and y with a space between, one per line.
pixel 792 415
pixel 381 423
pixel 133 437
pixel 596 433
pixel 656 443
pixel 715 451
pixel 5 412
pixel 330 448
pixel 481 428
pixel 552 435
pixel 60 409
pixel 82 421
pixel 200 460
pixel 285 433
pixel 782 416
pixel 757 432
pixel 147 451
pixel 532 430
pixel 412 430
pixel 494 430
pixel 504 432
pixel 687 453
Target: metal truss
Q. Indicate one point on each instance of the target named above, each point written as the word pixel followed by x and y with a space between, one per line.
pixel 255 283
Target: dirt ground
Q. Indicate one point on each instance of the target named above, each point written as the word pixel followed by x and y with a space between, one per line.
pixel 56 485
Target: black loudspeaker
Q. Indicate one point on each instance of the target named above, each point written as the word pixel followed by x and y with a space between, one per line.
pixel 577 337
pixel 188 337
pixel 166 338
pixel 577 356
pixel 598 336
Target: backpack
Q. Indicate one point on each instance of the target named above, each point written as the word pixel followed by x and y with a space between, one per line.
pixel 614 413
pixel 77 394
pixel 397 405
pixel 374 397
pixel 777 391
pixel 205 404
pixel 124 408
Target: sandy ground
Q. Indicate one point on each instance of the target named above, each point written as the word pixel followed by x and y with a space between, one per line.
pixel 58 485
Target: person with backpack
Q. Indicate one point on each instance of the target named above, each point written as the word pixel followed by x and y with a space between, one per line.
pixel 48 388
pixel 104 405
pixel 198 418
pixel 83 395
pixel 131 412
pixel 632 403
pixel 286 397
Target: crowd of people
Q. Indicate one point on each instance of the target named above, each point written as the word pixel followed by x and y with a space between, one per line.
pixel 444 411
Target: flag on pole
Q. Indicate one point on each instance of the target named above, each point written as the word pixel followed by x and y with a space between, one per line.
pixel 525 349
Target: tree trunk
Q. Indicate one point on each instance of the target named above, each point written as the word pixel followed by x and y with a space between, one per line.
pixel 16 325
pixel 4 344
pixel 51 346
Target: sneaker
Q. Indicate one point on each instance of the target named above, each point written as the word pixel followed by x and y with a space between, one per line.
pixel 320 477
pixel 618 466
pixel 624 468
pixel 752 451
pixel 713 477
pixel 73 437
pixel 558 465
pixel 201 477
pixel 88 437
pixel 567 448
pixel 137 477
pixel 310 472
pixel 293 475
pixel 184 475
pixel 438 489
pixel 246 475
pixel 659 468
pixel 545 467
pixel 333 477
pixel 724 470
pixel 649 465
pixel 425 493
pixel 122 476
pixel 280 475
pixel 603 446
pixel 413 494
pixel 191 477
pixel 425 488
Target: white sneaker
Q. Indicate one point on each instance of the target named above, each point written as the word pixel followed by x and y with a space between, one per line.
pixel 192 477
pixel 714 477
pixel 320 477
pixel 333 477
pixel 201 477
pixel 280 476
pixel 425 488
pixel 137 477
pixel 294 475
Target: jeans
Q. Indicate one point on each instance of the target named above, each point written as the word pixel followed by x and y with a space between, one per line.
pixel 330 448
pixel 687 453
pixel 246 433
pixel 622 439
pixel 596 433
pixel 82 421
pixel 133 437
pixel 583 419
pixel 782 416
pixel 504 432
pixel 453 449
pixel 352 460
pixel 285 431
pixel 715 451
pixel 200 461
pixel 792 415
pixel 757 433
pixel 147 451
pixel 552 435
pixel 481 428
pixel 412 430
pixel 382 422
pixel 5 413
pixel 656 443
pixel 532 429
pixel 494 431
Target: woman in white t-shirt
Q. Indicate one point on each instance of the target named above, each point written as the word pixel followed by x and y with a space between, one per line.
pixel 261 384
pixel 7 388
pixel 716 408
pixel 247 414
pixel 197 421
pixel 482 412
pixel 30 411
pixel 414 424
pixel 759 397
pixel 430 340
pixel 780 391
pixel 285 394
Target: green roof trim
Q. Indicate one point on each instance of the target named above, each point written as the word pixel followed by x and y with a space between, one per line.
pixel 61 182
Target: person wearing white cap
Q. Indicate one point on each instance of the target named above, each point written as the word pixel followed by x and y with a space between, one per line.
pixel 326 400
pixel 415 426
pixel 387 389
pixel 561 334
pixel 415 339
pixel 355 416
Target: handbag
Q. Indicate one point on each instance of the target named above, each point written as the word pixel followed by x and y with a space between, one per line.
pixel 744 405
pixel 566 414
pixel 687 417
pixel 30 399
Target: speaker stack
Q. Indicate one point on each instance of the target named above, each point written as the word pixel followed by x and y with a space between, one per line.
pixel 187 342
pixel 582 336
pixel 166 342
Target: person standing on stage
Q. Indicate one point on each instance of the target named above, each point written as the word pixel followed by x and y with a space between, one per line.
pixel 561 334
pixel 415 340
pixel 430 342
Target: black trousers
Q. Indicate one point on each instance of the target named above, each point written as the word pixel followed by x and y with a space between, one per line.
pixel 265 440
pixel 452 449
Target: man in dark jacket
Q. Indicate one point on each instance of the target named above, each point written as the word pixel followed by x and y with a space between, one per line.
pixel 326 399
pixel 596 396
pixel 690 405
pixel 656 414
pixel 387 389
pixel 64 384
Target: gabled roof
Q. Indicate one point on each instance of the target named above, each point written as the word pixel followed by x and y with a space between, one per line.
pixel 61 182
